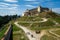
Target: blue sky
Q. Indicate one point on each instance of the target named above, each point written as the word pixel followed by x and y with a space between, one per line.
pixel 11 7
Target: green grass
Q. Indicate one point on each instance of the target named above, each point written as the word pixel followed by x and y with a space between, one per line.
pixel 43 27
pixel 38 26
pixel 24 24
pixel 35 26
pixel 57 32
pixel 25 18
pixel 57 20
pixel 45 37
pixel 15 28
pixel 3 31
pixel 47 23
pixel 20 36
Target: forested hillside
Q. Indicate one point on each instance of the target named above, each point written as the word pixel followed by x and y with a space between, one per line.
pixel 6 19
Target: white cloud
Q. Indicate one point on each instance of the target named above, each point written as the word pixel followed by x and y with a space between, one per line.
pixel 47 0
pixel 29 5
pixel 8 12
pixel 11 0
pixel 8 9
pixel 56 10
pixel 14 5
pixel 7 5
pixel 30 0
pixel 34 2
pixel 12 8
pixel 2 3
pixel 38 0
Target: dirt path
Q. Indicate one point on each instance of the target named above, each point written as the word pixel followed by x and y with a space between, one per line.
pixel 26 31
pixel 32 35
pixel 43 32
pixel 51 31
pixel 44 20
pixel 29 33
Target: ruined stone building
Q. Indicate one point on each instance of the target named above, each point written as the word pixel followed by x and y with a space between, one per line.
pixel 35 11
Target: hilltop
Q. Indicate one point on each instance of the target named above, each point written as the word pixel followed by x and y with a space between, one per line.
pixel 40 11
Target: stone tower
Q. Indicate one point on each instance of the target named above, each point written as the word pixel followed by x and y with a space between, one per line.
pixel 27 10
pixel 39 9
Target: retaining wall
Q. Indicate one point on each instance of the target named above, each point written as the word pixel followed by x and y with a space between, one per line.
pixel 7 34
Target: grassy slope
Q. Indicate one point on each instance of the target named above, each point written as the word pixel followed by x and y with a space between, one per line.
pixel 57 32
pixel 30 18
pixel 20 35
pixel 45 37
pixel 15 28
pixel 38 26
pixel 57 20
pixel 3 30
